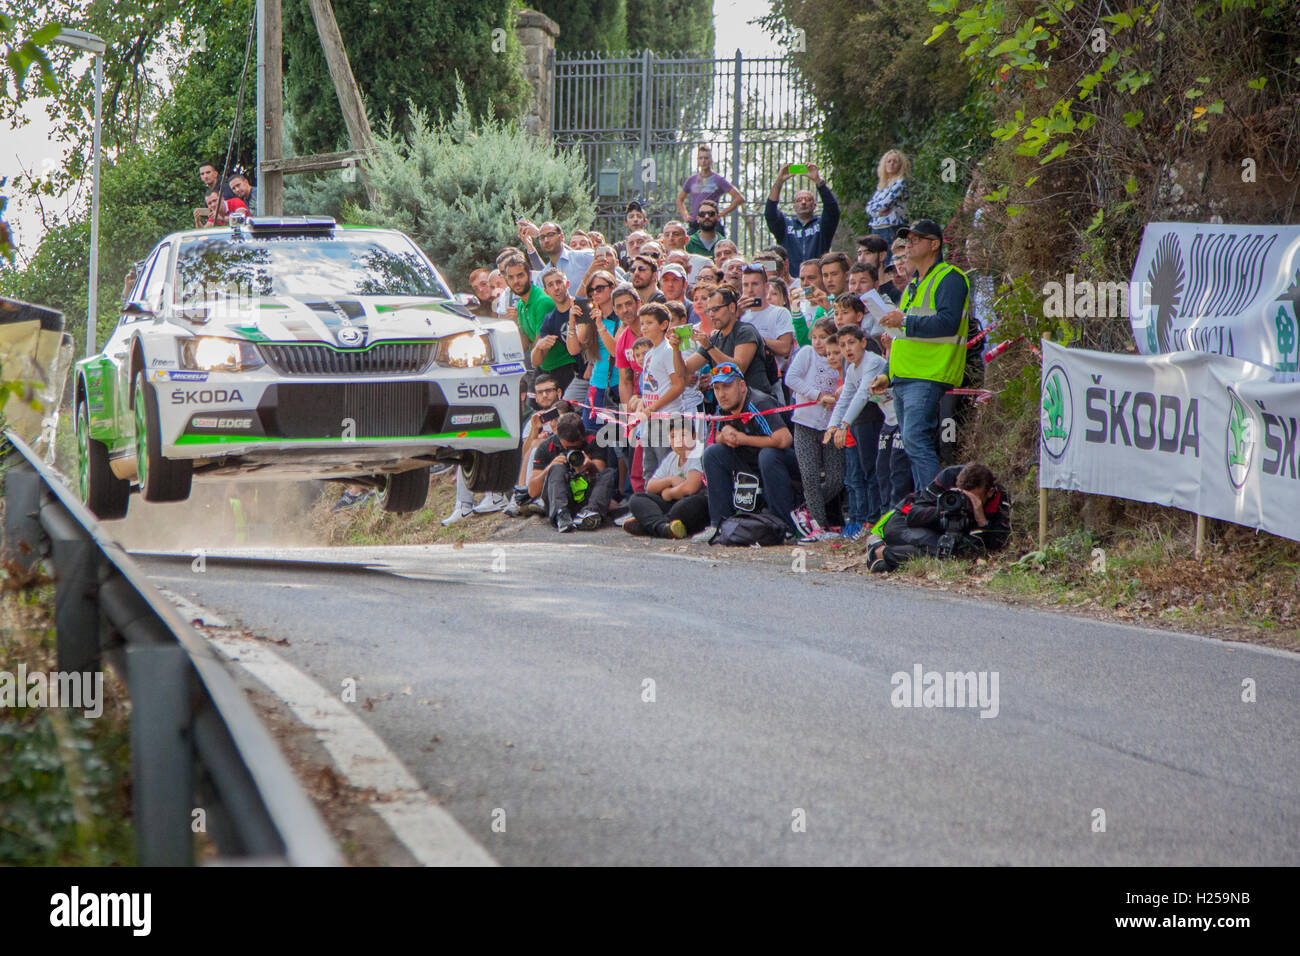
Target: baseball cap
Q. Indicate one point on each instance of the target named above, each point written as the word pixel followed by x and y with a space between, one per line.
pixel 925 228
pixel 726 372
pixel 673 269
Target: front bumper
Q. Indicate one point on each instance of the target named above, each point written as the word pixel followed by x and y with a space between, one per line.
pixel 217 415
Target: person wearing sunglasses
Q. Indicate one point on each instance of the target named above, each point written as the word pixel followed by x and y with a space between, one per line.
pixel 722 337
pixel 554 251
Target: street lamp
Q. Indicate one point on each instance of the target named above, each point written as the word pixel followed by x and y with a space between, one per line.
pixel 81 40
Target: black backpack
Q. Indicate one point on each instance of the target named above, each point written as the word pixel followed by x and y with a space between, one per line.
pixel 743 529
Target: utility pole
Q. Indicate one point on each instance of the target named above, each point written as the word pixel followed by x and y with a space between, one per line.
pixel 360 136
pixel 270 107
pixel 271 165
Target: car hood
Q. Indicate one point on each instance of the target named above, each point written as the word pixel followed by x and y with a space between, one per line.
pixel 348 322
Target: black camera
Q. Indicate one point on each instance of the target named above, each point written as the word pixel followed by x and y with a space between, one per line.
pixel 576 459
pixel 955 517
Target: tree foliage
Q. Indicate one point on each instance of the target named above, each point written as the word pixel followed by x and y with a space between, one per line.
pixel 668 26
pixel 400 52
pixel 458 186
pixel 1105 119
pixel 587 25
pixel 616 25
pixel 148 187
pixel 884 90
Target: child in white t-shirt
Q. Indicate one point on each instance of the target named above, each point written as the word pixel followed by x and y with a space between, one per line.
pixel 674 503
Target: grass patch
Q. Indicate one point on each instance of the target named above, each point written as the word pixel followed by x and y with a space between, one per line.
pixel 65 787
pixel 368 524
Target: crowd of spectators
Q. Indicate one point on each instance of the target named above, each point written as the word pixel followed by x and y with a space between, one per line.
pixel 680 384
pixel 674 383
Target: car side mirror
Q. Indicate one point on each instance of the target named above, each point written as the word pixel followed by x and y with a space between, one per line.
pixel 137 308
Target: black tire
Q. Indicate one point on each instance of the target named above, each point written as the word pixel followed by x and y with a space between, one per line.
pixel 105 495
pixel 495 471
pixel 159 478
pixel 406 492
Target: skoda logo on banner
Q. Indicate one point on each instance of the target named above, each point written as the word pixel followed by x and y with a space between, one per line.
pixel 1057 420
pixel 1240 444
pixel 350 336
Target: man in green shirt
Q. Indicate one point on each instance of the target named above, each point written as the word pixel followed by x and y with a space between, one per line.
pixel 529 305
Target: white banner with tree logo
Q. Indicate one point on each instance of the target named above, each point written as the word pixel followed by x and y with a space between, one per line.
pixel 1230 290
pixel 1191 430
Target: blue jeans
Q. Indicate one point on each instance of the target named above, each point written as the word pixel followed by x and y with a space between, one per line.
pixel 777 468
pixel 916 402
pixel 855 488
pixel 866 432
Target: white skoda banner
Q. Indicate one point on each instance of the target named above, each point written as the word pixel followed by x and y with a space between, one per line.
pixel 1230 290
pixel 1205 433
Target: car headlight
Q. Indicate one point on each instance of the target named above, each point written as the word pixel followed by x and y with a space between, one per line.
pixel 211 354
pixel 464 351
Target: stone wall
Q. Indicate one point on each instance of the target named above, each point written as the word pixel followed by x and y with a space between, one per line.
pixel 537 32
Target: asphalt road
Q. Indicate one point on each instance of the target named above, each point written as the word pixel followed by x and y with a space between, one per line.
pixel 774 705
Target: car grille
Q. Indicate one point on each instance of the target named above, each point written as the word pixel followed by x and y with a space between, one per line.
pixel 385 358
pixel 377 409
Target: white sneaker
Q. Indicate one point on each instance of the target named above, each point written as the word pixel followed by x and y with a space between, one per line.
pixel 492 502
pixel 458 513
pixel 704 536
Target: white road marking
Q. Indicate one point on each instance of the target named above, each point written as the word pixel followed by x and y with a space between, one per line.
pixel 428 831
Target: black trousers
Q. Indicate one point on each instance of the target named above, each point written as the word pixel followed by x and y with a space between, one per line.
pixel 902 543
pixel 654 514
pixel 559 496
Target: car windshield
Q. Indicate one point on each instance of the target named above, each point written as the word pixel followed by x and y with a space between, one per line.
pixel 216 267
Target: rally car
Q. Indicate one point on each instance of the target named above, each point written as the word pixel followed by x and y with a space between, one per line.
pixel 295 348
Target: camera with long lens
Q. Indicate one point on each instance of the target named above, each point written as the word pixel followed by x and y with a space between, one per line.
pixel 575 459
pixel 955 517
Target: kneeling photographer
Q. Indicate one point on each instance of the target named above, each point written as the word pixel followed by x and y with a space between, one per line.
pixel 963 513
pixel 569 473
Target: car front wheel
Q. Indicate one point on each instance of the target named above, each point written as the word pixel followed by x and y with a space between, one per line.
pixel 160 479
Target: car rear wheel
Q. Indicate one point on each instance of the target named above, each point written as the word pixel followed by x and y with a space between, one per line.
pixel 160 479
pixel 406 491
pixel 494 471
pixel 104 494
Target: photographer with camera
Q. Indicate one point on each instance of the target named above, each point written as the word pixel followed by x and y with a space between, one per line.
pixel 963 513
pixel 570 474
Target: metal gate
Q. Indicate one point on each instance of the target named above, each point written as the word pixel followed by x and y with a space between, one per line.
pixel 638 118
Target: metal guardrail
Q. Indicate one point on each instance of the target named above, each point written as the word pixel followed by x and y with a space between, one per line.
pixel 195 740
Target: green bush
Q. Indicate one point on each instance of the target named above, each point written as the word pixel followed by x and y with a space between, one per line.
pixel 457 187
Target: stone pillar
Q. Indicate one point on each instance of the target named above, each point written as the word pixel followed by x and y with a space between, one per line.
pixel 537 33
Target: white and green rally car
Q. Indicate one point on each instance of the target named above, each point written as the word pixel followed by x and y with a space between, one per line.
pixel 295 348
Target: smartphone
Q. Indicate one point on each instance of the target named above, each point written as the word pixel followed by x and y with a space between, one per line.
pixel 808 291
pixel 798 169
pixel 754 303
pixel 549 415
pixel 769 266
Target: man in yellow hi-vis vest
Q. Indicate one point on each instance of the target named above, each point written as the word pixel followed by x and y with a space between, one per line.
pixel 928 355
